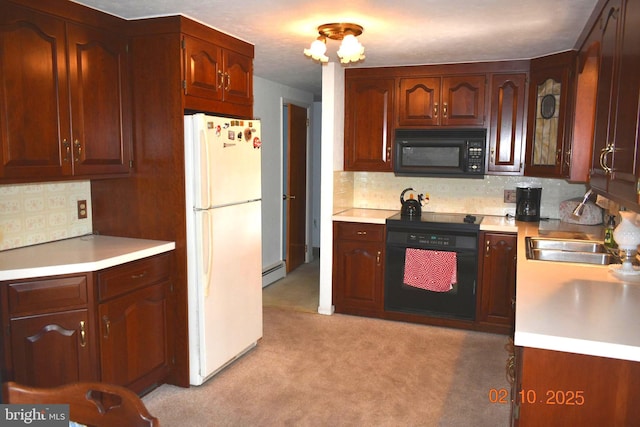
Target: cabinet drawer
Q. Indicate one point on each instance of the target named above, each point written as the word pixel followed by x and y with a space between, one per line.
pixel 47 295
pixel 359 231
pixel 124 278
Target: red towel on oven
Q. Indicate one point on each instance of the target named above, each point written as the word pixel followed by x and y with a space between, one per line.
pixel 430 270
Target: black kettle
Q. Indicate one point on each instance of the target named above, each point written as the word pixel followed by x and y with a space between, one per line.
pixel 411 207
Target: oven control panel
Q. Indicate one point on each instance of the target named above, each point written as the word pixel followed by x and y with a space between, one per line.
pixel 429 239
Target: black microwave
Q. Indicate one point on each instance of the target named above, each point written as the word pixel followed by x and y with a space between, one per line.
pixel 455 153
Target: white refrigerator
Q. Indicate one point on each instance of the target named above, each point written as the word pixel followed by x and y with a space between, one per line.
pixel 224 250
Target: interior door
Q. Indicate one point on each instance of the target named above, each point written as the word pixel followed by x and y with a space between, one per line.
pixel 296 185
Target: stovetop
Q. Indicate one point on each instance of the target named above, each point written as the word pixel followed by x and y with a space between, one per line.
pixel 438 219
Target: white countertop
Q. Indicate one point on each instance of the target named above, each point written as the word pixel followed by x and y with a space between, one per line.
pixel 76 255
pixel 575 308
pixel 372 216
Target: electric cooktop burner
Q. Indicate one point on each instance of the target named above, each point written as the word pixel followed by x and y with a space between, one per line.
pixel 437 218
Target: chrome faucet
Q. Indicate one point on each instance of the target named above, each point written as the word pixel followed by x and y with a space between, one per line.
pixel 578 210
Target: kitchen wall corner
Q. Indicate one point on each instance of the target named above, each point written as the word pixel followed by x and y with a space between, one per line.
pixel 43 212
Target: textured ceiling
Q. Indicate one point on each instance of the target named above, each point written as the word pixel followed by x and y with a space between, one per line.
pixel 403 32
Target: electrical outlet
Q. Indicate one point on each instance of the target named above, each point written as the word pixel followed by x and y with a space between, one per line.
pixel 509 196
pixel 82 209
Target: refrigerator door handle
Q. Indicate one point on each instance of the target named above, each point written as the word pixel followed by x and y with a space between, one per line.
pixel 207 251
pixel 205 169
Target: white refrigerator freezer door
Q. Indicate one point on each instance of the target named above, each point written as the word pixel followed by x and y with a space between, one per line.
pixel 228 160
pixel 231 300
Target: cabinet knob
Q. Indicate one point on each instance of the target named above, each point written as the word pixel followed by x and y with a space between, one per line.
pixel 435 109
pixel 220 79
pixel 378 257
pixel 444 109
pixel 487 248
pixel 361 233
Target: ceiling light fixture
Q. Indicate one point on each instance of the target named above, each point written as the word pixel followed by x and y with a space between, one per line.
pixel 350 49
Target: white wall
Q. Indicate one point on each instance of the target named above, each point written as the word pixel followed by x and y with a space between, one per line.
pixel 269 98
pixel 332 158
pixel 316 134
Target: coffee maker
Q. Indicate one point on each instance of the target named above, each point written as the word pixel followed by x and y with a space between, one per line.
pixel 528 203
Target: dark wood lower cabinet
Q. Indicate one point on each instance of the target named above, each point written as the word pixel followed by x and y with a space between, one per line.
pixel 358 271
pixel 554 388
pixel 49 349
pixel 48 330
pixel 133 344
pixel 497 280
pixel 51 327
pixel 358 278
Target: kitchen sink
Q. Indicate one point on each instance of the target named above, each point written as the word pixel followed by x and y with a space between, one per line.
pixel 570 250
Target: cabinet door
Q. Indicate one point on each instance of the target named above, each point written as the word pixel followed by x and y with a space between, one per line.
pixel 587 65
pixel 368 130
pixel 497 297
pixel 549 107
pixel 506 129
pixel 622 183
pixel 100 101
pixel 203 71
pixel 133 331
pixel 463 101
pixel 603 143
pixel 52 349
pixel 238 78
pixel 419 101
pixel 359 279
pixel 34 102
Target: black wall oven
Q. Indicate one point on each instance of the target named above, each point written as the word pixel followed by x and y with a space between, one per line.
pixel 420 256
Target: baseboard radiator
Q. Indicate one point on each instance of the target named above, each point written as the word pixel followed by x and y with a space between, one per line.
pixel 273 273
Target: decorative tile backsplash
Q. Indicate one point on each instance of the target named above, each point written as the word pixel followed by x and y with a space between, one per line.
pixel 44 212
pixel 382 190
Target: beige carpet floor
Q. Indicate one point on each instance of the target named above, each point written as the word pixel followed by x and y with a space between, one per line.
pixel 315 370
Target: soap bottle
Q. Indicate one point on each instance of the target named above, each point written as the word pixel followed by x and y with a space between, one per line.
pixel 608 232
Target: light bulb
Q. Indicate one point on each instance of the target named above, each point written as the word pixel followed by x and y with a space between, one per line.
pixel 350 50
pixel 316 50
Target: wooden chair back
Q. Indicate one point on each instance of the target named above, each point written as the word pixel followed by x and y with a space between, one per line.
pixel 90 403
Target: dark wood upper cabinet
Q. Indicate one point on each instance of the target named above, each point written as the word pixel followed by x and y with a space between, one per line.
pixel 100 101
pixel 614 166
pixel 548 152
pixel 507 123
pixel 441 101
pixel 625 176
pixel 65 100
pixel 215 73
pixel 368 124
